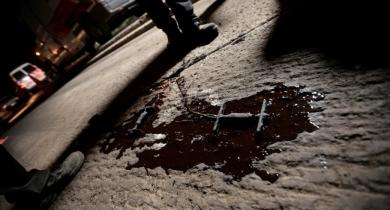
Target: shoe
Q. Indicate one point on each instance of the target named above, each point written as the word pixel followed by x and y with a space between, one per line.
pixel 177 43
pixel 59 178
pixel 174 35
pixel 46 202
pixel 202 34
pixel 68 169
pixel 56 181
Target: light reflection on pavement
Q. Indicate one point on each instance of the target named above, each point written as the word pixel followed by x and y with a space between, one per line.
pixel 33 99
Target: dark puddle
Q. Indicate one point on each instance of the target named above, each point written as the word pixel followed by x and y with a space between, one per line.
pixel 189 140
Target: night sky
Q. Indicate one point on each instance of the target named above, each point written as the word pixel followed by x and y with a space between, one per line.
pixel 17 44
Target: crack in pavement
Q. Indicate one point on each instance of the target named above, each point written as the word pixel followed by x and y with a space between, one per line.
pixel 239 38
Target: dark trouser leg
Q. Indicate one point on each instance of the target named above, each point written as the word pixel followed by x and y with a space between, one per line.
pixel 184 14
pixel 12 173
pixel 197 34
pixel 16 183
pixel 160 14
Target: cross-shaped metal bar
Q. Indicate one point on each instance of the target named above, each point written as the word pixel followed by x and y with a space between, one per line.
pixel 136 131
pixel 221 117
pixel 262 115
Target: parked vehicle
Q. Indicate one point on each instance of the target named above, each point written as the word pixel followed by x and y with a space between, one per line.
pixel 29 77
pixel 9 105
pixel 34 72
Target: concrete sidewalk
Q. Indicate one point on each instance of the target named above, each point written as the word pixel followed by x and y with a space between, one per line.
pixel 342 165
pixel 39 139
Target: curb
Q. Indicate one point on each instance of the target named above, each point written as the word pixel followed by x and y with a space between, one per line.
pixel 105 50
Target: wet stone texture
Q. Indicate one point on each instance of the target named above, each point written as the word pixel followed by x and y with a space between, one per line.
pixel 345 164
pixel 189 140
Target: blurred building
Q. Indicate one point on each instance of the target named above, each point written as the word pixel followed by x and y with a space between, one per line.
pixel 55 24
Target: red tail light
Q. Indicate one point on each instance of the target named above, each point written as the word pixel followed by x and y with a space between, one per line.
pixel 38 74
pixel 3 140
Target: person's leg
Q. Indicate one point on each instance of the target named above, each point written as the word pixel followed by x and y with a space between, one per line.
pixel 184 13
pixel 196 33
pixel 16 183
pixel 12 173
pixel 37 188
pixel 160 14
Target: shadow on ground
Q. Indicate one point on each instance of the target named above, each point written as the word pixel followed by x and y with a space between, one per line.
pixel 353 32
pixel 103 122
